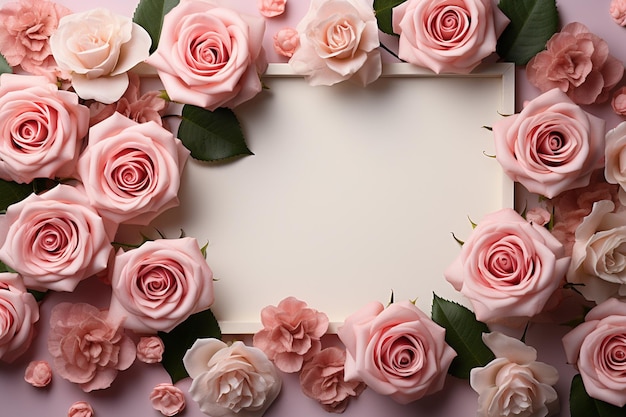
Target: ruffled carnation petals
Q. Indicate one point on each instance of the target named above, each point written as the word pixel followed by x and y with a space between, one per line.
pixel 80 409
pixel 19 312
pixel 271 8
pixel 167 399
pixel 150 349
pixel 286 41
pixel 38 374
pixel 617 10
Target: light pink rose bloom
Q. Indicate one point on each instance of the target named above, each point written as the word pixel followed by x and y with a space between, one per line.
pixel 168 399
pixel 286 41
pixel 397 351
pixel 514 383
pixel 38 374
pixel 322 379
pixel 231 380
pixel 596 348
pixel 338 42
pixel 88 346
pixel 18 314
pixel 539 216
pixel 551 146
pixel 98 48
pixel 508 268
pixel 41 129
pixel 210 55
pixel 618 102
pixel 291 333
pixel 617 9
pixel 615 159
pixel 271 8
pixel 150 349
pixel 447 36
pixel 160 284
pixel 80 409
pixel 55 239
pixel 578 63
pixel 131 171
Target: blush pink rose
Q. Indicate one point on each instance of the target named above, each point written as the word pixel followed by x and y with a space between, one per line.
pixel 447 36
pixel 41 129
pixel 150 349
pixel 210 55
pixel 168 399
pixel 131 171
pixel 578 63
pixel 618 102
pixel 597 349
pixel 551 146
pixel 338 42
pixel 18 313
pixel 617 9
pixel 80 409
pixel 615 159
pixel 397 351
pixel 88 346
pixel 291 333
pixel 160 284
pixel 56 239
pixel 286 41
pixel 508 268
pixel 271 8
pixel 38 374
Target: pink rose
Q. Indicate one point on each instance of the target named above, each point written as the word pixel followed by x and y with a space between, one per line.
pixel 167 399
pixel 514 383
pixel 38 374
pixel 131 171
pixel 271 8
pixel 551 146
pixel 596 348
pixel 291 333
pixel 41 129
pixel 88 347
pixel 322 379
pixel 578 63
pixel 449 36
pixel 615 159
pixel 286 41
pixel 338 41
pixel 618 102
pixel 397 351
pixel 55 240
pixel 150 349
pixel 508 267
pixel 539 216
pixel 617 9
pixel 80 409
pixel 18 313
pixel 160 284
pixel 210 55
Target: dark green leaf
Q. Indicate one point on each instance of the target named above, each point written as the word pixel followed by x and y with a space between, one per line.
pixel 212 135
pixel 383 11
pixel 39 295
pixel 463 334
pixel 582 405
pixel 4 267
pixel 149 15
pixel 533 22
pixel 179 340
pixel 4 65
pixel 12 192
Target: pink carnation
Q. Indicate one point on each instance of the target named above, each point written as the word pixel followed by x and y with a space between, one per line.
pixel 271 8
pixel 168 399
pixel 617 9
pixel 38 374
pixel 150 349
pixel 286 41
pixel 618 103
pixel 80 409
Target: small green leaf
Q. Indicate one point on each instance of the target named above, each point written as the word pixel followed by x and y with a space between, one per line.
pixel 179 340
pixel 463 334
pixel 382 9
pixel 4 65
pixel 12 192
pixel 39 295
pixel 149 15
pixel 4 267
pixel 533 22
pixel 212 135
pixel 582 405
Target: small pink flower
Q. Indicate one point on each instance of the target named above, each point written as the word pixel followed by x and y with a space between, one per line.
pixel 618 103
pixel 286 41
pixel 167 399
pixel 291 333
pixel 539 216
pixel 617 9
pixel 38 374
pixel 271 8
pixel 80 409
pixel 150 349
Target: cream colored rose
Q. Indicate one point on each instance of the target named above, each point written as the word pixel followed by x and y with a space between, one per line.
pixel 615 159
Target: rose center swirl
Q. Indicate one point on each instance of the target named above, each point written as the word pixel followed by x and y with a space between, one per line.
pixel 507 262
pixel 158 283
pixel 54 241
pixel 402 356
pixel 615 354
pixel 208 54
pixel 133 173
pixel 448 25
pixel 29 130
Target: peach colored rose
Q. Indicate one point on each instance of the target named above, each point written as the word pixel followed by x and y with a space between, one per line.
pixel 322 379
pixel 617 9
pixel 150 349
pixel 88 346
pixel 397 351
pixel 514 383
pixel 168 399
pixel 578 63
pixel 41 129
pixel 286 41
pixel 131 171
pixel 338 42
pixel 160 284
pixel 508 267
pixel 597 349
pixel 55 239
pixel 98 48
pixel 539 216
pixel 291 333
pixel 210 55
pixel 271 8
pixel 551 146
pixel 18 313
pixel 447 36
pixel 231 380
pixel 38 374
pixel 80 409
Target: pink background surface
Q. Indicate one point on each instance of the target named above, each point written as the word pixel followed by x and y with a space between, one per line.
pixel 129 394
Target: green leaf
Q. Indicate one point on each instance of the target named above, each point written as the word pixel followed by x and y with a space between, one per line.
pixel 39 295
pixel 533 22
pixel 463 334
pixel 212 135
pixel 4 66
pixel 179 340
pixel 4 267
pixel 582 405
pixel 149 14
pixel 12 192
pixel 382 9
